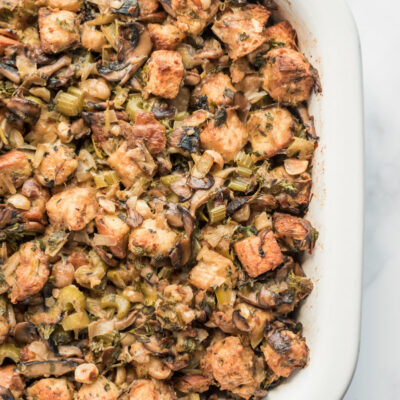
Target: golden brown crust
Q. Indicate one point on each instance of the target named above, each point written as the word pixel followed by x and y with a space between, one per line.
pixel 165 73
pixel 270 130
pixel 259 254
pixel 50 389
pixel 227 138
pixel 242 29
pixel 284 351
pixel 288 76
pixel 59 30
pixel 282 34
pixel 165 37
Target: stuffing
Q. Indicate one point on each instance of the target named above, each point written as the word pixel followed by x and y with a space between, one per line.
pixel 259 254
pixel 165 37
pixel 59 30
pixel 270 130
pixel 72 208
pixel 288 76
pixel 51 389
pixel 14 170
pixel 284 351
pixel 26 271
pixel 242 29
pixel 58 164
pixel 212 270
pixel 226 136
pixel 165 73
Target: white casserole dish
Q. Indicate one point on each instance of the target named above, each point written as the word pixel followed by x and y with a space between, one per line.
pixel 331 314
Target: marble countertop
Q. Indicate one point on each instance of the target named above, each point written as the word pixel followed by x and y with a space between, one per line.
pixel 377 375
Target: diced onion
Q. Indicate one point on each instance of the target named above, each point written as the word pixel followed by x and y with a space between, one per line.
pixel 19 201
pixel 104 240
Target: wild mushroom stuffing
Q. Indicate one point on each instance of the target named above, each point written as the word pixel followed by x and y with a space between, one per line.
pixel 155 172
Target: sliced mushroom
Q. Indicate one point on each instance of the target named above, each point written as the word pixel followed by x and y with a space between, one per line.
pixel 106 257
pixel 174 216
pixel 163 110
pixel 134 219
pixel 205 183
pixel 127 321
pixel 26 110
pixel 243 105
pixel 267 298
pixel 5 394
pixel 134 46
pixel 186 138
pixel 240 322
pixel 236 204
pixel 181 254
pixel 25 333
pixel 155 348
pixel 10 73
pixel 48 70
pixel 182 189
pixel 126 7
pixel 70 352
pixel 36 369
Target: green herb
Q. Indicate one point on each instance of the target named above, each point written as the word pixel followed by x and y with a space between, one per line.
pixel 259 60
pixel 7 89
pixel 287 186
pixel 220 117
pixel 65 25
pixel 268 126
pixel 229 93
pixel 243 36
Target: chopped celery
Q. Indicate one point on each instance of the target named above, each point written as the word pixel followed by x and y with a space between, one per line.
pixel 238 185
pixel 244 160
pixel 167 180
pixel 218 214
pixel 243 171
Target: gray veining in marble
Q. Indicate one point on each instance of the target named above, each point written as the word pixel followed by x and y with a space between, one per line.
pixel 378 372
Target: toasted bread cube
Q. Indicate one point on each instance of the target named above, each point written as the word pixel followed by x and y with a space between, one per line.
pixel 227 138
pixel 282 34
pixel 72 208
pixel 165 73
pixel 151 389
pixel 212 270
pixel 147 7
pixel 234 366
pixel 58 164
pixel 113 226
pixel 165 37
pixel 153 238
pixel 296 232
pixel 127 169
pixel 14 170
pixel 218 88
pixel 26 271
pixel 101 389
pixel 284 351
pixel 270 130
pixel 259 254
pixel 69 5
pixel 59 30
pixel 10 378
pixel 51 389
pixel 288 76
pixel 242 29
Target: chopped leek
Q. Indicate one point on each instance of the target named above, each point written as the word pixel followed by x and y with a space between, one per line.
pixel 218 214
pixel 203 165
pixel 105 179
pixel 137 104
pixel 120 303
pixel 76 321
pixel 301 148
pixel 167 180
pixel 121 94
pixel 9 351
pixel 71 298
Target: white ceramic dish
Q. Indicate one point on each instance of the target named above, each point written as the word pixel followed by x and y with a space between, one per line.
pixel 331 314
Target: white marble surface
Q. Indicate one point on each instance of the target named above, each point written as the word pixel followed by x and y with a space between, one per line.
pixel 378 373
